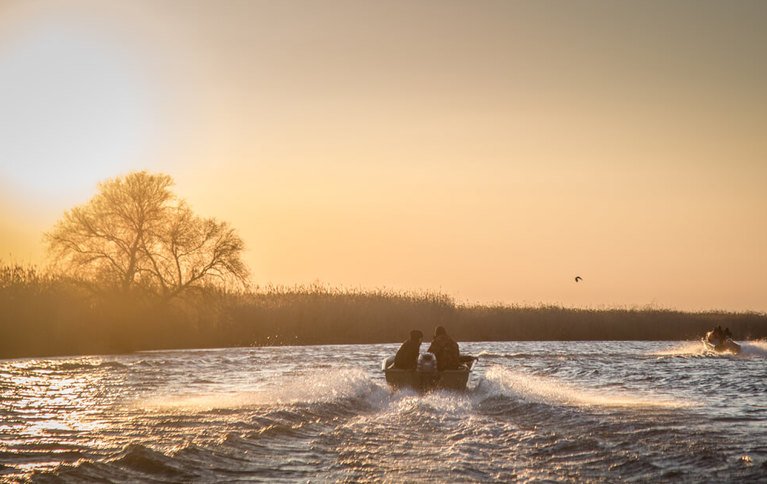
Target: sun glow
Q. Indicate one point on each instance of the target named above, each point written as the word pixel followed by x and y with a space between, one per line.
pixel 491 154
pixel 76 108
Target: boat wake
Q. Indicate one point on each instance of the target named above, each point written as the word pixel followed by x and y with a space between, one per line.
pixel 504 382
pixel 749 349
pixel 756 348
pixel 318 387
pixel 686 348
pixel 583 411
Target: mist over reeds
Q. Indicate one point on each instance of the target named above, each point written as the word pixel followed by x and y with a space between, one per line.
pixel 47 314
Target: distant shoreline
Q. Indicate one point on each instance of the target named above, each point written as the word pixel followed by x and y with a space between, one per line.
pixel 45 315
pixel 50 315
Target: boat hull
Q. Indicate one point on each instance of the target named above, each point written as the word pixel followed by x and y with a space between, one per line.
pixel 424 381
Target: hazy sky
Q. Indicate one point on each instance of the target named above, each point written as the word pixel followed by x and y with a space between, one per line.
pixel 489 150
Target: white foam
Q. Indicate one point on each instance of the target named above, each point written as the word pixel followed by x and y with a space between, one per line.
pixel 755 348
pixel 685 348
pixel 314 387
pixel 436 402
pixel 552 390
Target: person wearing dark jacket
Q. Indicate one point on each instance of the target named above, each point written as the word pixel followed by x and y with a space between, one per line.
pixel 407 355
pixel 445 349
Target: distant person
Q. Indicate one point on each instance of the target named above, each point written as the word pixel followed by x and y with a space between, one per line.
pixel 727 333
pixel 407 355
pixel 717 336
pixel 445 349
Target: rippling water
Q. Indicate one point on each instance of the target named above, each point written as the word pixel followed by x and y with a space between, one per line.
pixel 535 410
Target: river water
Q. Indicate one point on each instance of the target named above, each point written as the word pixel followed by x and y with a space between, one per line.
pixel 597 411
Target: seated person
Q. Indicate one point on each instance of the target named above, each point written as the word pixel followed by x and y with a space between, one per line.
pixel 716 336
pixel 407 355
pixel 445 349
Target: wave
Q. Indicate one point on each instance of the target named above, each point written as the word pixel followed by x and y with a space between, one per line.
pixel 135 463
pixel 749 349
pixel 550 355
pixel 686 348
pixel 143 460
pixel 313 388
pixel 493 355
pixel 440 402
pixel 60 365
pixel 754 348
pixel 87 365
pixel 499 381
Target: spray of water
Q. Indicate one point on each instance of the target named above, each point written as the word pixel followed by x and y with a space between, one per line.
pixel 445 403
pixel 311 388
pixel 755 349
pixel 748 349
pixel 503 381
pixel 685 348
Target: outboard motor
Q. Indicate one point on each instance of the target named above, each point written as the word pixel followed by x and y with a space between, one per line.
pixel 427 362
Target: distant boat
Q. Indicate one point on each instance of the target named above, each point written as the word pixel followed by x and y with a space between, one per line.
pixel 720 345
pixel 426 377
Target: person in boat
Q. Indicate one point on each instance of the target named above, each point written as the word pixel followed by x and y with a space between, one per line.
pixel 445 349
pixel 727 334
pixel 407 355
pixel 716 336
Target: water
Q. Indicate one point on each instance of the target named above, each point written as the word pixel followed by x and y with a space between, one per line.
pixel 599 411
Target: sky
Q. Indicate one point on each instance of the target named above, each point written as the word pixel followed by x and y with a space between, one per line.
pixel 491 151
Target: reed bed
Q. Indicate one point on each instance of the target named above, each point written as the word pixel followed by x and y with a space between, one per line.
pixel 44 314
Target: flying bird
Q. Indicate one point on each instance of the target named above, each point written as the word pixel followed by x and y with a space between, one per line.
pixel 578 278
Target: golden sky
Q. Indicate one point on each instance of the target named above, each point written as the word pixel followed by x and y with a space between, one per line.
pixel 489 150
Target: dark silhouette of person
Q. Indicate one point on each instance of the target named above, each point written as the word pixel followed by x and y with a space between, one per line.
pixel 407 355
pixel 716 336
pixel 445 349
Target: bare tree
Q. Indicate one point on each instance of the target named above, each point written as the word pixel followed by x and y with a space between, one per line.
pixel 189 251
pixel 135 231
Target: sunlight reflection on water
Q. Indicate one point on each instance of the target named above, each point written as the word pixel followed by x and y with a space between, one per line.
pixel 564 411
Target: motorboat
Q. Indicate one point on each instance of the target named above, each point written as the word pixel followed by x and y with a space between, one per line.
pixel 720 344
pixel 426 377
